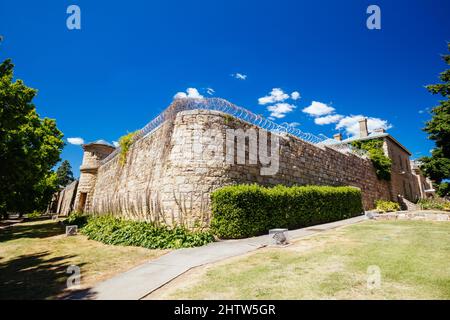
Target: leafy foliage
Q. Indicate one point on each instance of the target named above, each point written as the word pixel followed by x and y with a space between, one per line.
pixel 34 215
pixel 444 189
pixel 387 206
pixel 115 231
pixel 434 204
pixel 77 218
pixel 437 167
pixel 125 143
pixel 64 174
pixel 249 210
pixel 29 148
pixel 43 191
pixel 380 161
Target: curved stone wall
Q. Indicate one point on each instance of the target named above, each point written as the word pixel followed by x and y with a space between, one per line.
pixel 170 173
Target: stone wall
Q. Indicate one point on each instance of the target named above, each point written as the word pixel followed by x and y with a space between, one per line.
pixel 62 201
pixel 68 198
pixel 93 154
pixel 422 182
pixel 166 178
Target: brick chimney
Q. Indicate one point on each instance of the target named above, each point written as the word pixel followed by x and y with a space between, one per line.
pixel 363 131
pixel 338 137
pixel 380 130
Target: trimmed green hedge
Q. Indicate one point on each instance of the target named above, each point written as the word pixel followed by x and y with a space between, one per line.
pixel 249 210
pixel 110 230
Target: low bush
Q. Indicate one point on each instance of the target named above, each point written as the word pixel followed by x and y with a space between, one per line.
pixel 387 206
pixel 443 189
pixel 76 218
pixel 249 210
pixel 34 215
pixel 111 230
pixel 434 204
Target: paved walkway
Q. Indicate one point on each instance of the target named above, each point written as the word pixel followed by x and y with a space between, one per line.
pixel 137 283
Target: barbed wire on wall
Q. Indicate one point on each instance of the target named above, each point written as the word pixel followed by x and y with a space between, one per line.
pixel 222 105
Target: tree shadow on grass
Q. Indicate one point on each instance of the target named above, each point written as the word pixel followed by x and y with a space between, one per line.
pixel 35 277
pixel 43 230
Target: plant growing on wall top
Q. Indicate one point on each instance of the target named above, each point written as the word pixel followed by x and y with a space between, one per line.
pixel 228 119
pixel 380 161
pixel 125 143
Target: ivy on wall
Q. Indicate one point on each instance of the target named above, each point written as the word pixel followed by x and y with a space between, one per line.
pixel 380 161
pixel 125 143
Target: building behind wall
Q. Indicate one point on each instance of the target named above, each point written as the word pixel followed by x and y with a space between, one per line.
pixel 425 185
pixel 406 180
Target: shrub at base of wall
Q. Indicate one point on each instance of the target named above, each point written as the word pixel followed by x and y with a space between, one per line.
pixel 116 231
pixel 434 204
pixel 249 210
pixel 387 206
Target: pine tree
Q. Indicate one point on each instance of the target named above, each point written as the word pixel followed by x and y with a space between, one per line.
pixel 64 174
pixel 437 167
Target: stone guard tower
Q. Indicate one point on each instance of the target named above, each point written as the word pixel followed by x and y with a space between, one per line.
pixel 94 152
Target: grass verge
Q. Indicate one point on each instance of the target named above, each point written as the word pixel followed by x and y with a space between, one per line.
pixel 412 256
pixel 34 257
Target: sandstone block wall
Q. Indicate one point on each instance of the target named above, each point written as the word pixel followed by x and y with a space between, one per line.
pixel 165 179
pixel 68 197
pixel 62 201
pixel 93 154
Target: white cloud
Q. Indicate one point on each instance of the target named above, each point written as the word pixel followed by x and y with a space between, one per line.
pixel 115 144
pixel 295 95
pixel 333 118
pixel 276 95
pixel 317 109
pixel 292 124
pixel 279 110
pixel 210 91
pixel 76 141
pixel 351 124
pixel 191 93
pixel 239 76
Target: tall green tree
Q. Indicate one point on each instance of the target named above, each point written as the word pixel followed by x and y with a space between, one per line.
pixel 437 167
pixel 29 147
pixel 64 174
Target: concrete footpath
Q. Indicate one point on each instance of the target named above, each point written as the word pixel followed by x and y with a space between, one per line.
pixel 137 283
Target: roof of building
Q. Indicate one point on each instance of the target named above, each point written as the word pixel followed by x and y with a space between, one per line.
pixel 372 135
pixel 101 141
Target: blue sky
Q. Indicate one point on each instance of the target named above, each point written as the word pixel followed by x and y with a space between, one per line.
pixel 130 58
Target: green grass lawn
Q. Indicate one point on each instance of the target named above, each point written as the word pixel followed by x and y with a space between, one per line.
pixel 413 257
pixel 34 257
